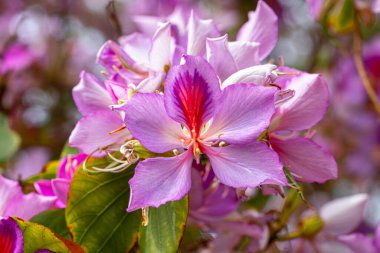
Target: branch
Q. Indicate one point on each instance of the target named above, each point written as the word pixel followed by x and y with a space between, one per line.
pixel 357 52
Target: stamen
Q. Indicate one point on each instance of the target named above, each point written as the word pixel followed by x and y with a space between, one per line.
pixel 104 73
pixel 117 165
pixel 222 144
pixel 279 73
pixel 283 96
pixel 145 216
pixel 175 152
pixel 118 129
pixel 115 68
pixel 274 85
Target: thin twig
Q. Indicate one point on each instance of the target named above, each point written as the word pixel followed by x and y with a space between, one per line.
pixel 357 51
pixel 111 10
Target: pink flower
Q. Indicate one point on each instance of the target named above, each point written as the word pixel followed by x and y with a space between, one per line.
pixel 15 203
pixel 304 158
pixel 11 238
pixel 194 116
pixel 59 187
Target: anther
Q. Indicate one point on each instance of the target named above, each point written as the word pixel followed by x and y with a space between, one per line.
pixel 145 216
pixel 222 144
pixel 175 152
pixel 118 129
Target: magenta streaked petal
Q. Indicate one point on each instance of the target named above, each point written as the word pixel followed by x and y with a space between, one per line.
pixel 61 188
pixel 117 91
pixel 246 166
pixel 219 56
pixel 94 131
pixel 259 75
pixel 191 93
pixel 245 53
pixel 162 44
pixel 111 55
pixel 243 114
pixel 307 160
pixel 308 105
pixel 11 238
pixel 69 165
pixel 160 180
pixel 148 121
pixel 90 95
pixel 44 187
pixel 261 27
pixel 198 31
pixel 343 215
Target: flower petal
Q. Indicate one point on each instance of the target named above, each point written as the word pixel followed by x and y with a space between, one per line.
pixel 245 53
pixel 137 45
pixel 242 115
pixel 306 159
pixel 61 188
pixel 94 131
pixel 198 31
pixel 191 93
pixel 148 121
pixel 111 56
pixel 262 28
pixel 306 108
pixel 14 203
pixel 160 180
pixel 90 95
pixel 11 238
pixel 44 187
pixel 219 56
pixel 342 216
pixel 160 53
pixel 246 166
pixel 352 240
pixel 259 75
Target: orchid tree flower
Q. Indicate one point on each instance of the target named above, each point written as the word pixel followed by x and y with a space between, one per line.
pixel 213 207
pixel 367 244
pixel 100 126
pixel 195 117
pixel 339 217
pixel 305 159
pixel 255 40
pixel 142 62
pixel 15 203
pixel 11 238
pixel 59 187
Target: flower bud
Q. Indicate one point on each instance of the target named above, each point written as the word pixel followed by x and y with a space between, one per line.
pixel 259 75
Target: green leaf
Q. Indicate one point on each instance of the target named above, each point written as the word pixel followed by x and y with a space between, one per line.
pixel 39 237
pixel 96 212
pixel 67 150
pixel 10 141
pixel 165 227
pixel 55 220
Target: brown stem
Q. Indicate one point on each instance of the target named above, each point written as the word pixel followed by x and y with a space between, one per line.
pixel 357 51
pixel 111 10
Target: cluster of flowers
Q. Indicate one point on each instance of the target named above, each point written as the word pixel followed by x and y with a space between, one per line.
pixel 220 122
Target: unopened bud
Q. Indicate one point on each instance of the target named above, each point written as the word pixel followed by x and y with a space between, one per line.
pixel 259 75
